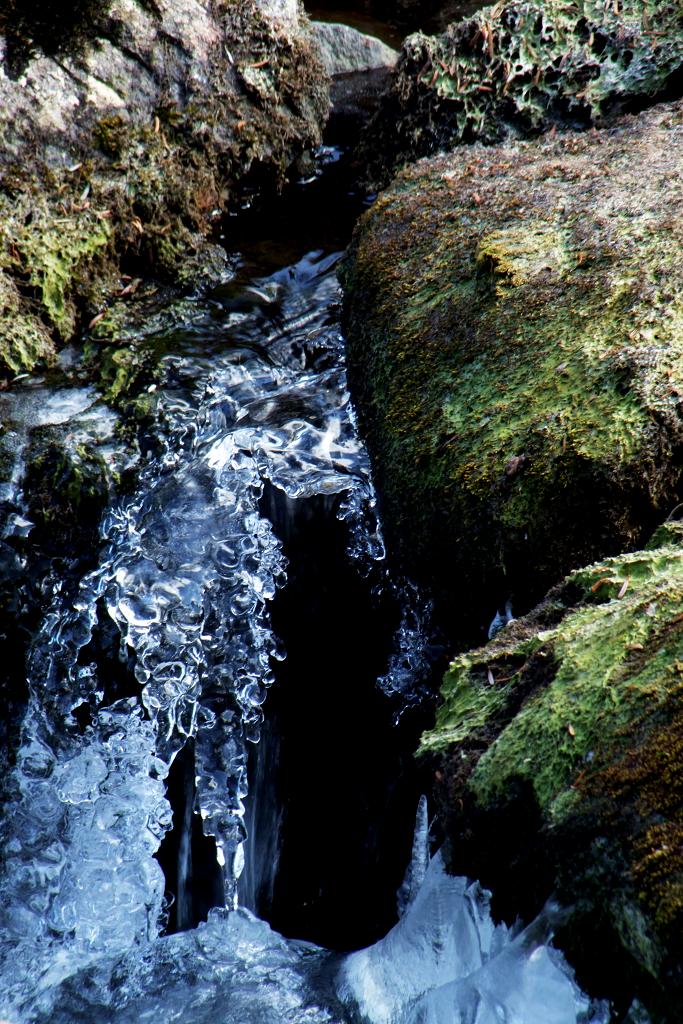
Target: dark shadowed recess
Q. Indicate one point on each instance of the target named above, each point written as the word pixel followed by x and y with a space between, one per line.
pixel 391 20
pixel 34 27
pixel 315 212
pixel 194 879
pixel 334 783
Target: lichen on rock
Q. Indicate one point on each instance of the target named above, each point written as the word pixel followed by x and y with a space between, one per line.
pixel 25 340
pixel 49 248
pixel 520 66
pixel 514 340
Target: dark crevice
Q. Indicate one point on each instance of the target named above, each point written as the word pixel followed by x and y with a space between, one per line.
pixel 671 90
pixel 194 878
pixel 391 20
pixel 113 660
pixel 334 792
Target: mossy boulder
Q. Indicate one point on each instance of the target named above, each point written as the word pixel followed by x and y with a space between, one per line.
pixel 520 66
pixel 66 489
pixel 515 352
pixel 123 138
pixel 25 338
pixel 563 737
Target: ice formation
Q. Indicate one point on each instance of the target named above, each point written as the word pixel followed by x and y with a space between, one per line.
pixel 446 962
pixel 188 566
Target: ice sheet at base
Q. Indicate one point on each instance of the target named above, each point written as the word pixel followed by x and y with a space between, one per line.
pixel 231 970
pixel 445 962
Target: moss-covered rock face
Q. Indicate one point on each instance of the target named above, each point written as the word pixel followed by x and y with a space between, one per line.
pixel 66 489
pixel 514 327
pixel 518 67
pixel 120 152
pixel 571 719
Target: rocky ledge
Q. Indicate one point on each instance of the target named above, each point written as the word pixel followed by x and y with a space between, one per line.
pixel 125 131
pixel 558 751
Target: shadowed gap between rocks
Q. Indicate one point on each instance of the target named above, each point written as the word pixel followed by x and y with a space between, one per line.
pixel 391 20
pixel 342 769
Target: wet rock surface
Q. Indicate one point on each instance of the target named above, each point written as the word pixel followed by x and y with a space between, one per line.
pixel 119 148
pixel 518 68
pixel 514 345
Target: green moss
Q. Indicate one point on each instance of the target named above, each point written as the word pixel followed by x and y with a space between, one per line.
pixel 110 135
pixel 142 190
pixel 56 264
pixel 514 322
pixel 53 253
pixel 127 378
pixel 66 491
pixel 24 339
pixel 519 67
pixel 602 686
pixel 584 716
pixel 643 788
pixel 468 706
pixel 612 662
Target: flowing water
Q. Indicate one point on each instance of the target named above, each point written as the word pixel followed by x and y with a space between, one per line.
pixel 215 724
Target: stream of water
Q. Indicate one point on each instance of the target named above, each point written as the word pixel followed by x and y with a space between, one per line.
pixel 155 817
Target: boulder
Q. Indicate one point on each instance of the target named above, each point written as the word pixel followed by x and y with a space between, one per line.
pixel 515 353
pixel 559 753
pixel 520 66
pixel 345 50
pixel 360 66
pixel 125 134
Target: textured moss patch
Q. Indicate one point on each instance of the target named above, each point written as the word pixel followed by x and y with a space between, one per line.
pixel 613 661
pixel 24 339
pixel 518 67
pixel 67 490
pixel 127 377
pixel 514 322
pixel 57 263
pixel 50 252
pixel 584 716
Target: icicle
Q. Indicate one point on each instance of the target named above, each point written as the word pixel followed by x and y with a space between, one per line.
pixel 419 862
